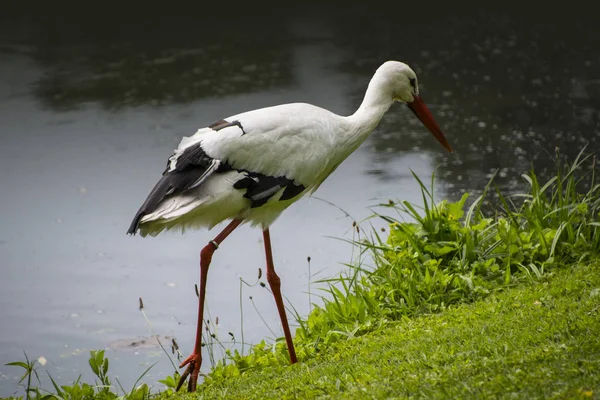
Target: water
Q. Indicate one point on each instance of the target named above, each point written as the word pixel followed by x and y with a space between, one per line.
pixel 91 108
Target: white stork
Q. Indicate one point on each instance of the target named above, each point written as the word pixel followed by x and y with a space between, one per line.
pixel 252 166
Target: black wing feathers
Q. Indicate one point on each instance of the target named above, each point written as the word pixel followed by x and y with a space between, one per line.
pixel 193 157
pixel 191 165
pixel 221 124
pixel 292 190
pixel 260 188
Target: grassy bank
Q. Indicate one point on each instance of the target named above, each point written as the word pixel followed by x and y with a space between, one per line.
pixel 539 340
pixel 483 298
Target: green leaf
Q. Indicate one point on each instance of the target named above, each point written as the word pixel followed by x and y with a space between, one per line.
pixel 456 209
pixel 56 387
pixel 440 250
pixel 18 364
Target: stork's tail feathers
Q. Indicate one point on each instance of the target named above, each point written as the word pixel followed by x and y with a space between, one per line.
pixel 135 223
pixel 157 194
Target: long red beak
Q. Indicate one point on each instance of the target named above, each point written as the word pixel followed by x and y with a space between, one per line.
pixel 423 113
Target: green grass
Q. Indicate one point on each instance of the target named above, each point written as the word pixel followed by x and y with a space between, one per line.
pixel 455 299
pixel 538 340
pixel 446 254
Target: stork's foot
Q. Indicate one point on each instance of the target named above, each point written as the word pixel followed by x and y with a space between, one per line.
pixel 193 363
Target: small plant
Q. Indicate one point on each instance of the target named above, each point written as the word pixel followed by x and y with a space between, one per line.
pixel 99 365
pixel 171 383
pixel 30 372
pixel 101 389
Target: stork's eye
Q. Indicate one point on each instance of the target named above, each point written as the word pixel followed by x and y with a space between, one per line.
pixel 413 82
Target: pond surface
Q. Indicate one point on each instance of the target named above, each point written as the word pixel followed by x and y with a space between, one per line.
pixel 92 106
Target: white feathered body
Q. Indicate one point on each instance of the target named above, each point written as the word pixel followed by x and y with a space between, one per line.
pixel 298 141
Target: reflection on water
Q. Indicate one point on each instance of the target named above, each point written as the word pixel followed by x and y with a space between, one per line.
pixel 146 61
pixel 90 107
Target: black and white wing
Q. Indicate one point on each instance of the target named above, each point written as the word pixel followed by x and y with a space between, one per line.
pixel 191 165
pixel 186 169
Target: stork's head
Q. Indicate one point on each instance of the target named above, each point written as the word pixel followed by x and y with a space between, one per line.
pixel 403 84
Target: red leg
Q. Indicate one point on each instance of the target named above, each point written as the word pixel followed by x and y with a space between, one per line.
pixel 275 284
pixel 195 359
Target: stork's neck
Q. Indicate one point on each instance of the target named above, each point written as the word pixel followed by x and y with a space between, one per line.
pixel 376 102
